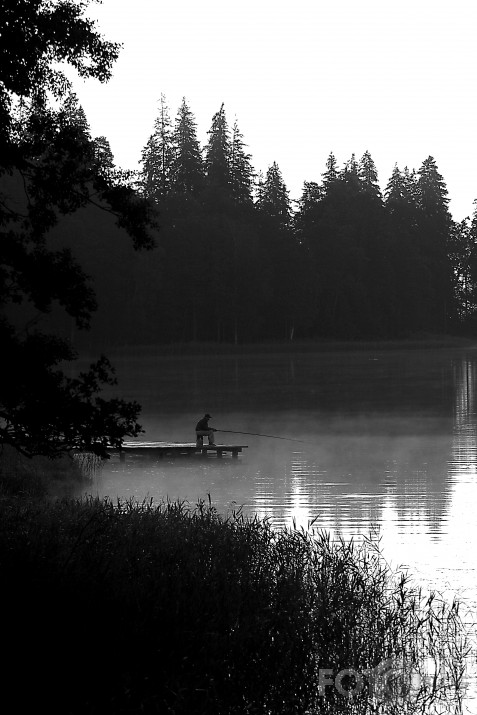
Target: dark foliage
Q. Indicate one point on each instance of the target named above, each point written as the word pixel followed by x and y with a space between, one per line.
pixel 348 263
pixel 50 168
pixel 167 609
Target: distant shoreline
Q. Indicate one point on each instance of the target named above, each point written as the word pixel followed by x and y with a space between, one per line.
pixel 424 342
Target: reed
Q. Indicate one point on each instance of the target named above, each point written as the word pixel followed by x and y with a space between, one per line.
pixel 39 477
pixel 172 608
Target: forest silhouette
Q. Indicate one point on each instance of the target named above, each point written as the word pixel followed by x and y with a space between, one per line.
pixel 238 261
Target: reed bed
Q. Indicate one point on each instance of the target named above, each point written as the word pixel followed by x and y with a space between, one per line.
pixel 36 477
pixel 172 608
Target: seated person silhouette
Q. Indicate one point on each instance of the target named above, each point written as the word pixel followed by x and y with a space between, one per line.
pixel 202 430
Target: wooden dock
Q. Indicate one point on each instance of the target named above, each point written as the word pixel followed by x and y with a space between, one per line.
pixel 180 449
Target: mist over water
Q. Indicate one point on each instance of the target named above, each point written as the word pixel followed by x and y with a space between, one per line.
pixel 389 442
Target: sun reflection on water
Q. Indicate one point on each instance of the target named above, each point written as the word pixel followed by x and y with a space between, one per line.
pixel 410 473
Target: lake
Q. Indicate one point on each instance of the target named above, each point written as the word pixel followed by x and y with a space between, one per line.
pixel 365 440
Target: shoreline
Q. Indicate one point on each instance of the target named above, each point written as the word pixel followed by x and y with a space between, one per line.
pixel 426 342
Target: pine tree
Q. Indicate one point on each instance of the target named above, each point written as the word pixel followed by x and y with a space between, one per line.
pixel 241 170
pixel 332 172
pixel 308 211
pixel 280 280
pixel 259 184
pixel 462 254
pixel 369 176
pixel 401 190
pixel 435 226
pixel 218 152
pixel 350 173
pixel 274 200
pixel 188 173
pixel 75 115
pixel 311 196
pixel 157 156
pixel 411 190
pixel 409 287
pixel 394 192
pixel 469 302
pixel 432 190
pixel 103 154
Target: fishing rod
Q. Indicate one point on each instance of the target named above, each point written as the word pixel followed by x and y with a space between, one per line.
pixel 258 434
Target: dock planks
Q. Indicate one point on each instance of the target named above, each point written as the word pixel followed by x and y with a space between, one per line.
pixel 185 449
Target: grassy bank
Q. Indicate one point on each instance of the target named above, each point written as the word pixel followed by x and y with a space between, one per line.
pixel 123 608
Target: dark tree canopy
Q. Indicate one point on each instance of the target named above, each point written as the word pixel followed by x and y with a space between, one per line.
pixel 188 165
pixel 158 155
pixel 241 170
pixel 274 199
pixel 217 153
pixel 50 167
pixel 369 175
pixel 332 173
pixel 345 260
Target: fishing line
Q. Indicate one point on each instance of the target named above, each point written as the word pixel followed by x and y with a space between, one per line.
pixel 259 434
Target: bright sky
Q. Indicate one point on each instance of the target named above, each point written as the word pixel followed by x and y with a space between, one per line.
pixel 303 78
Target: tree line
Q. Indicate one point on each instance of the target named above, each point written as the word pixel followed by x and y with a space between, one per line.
pixel 237 262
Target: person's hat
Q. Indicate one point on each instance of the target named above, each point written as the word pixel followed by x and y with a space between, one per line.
pixel 209 417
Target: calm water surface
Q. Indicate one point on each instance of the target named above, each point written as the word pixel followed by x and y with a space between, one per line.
pixel 388 440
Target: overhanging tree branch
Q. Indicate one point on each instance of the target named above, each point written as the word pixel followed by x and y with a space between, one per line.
pixel 52 154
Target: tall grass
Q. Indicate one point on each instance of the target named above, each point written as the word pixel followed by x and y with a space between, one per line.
pixel 168 608
pixel 39 476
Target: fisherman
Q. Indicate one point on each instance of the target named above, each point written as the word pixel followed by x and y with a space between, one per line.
pixel 202 430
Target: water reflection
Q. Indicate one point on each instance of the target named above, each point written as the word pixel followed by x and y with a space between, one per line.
pixel 390 442
pixel 417 485
pixel 464 454
pixel 461 482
